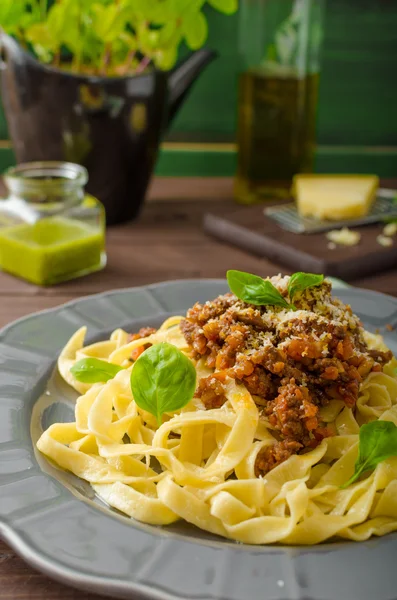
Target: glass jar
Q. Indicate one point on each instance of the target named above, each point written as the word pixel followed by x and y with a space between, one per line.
pixel 50 230
pixel 280 43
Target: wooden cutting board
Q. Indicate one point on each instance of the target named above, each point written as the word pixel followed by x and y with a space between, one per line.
pixel 249 229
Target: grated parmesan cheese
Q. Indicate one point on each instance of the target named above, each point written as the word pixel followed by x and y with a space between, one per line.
pixel 316 306
pixel 390 229
pixel 344 237
pixel 384 241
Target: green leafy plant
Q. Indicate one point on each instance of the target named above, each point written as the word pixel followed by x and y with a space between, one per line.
pixel 261 292
pixel 299 282
pixel 94 370
pixel 377 442
pixel 163 380
pixel 109 37
pixel 18 15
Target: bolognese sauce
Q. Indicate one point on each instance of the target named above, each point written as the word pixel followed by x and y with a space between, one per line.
pixel 293 362
pixel 141 334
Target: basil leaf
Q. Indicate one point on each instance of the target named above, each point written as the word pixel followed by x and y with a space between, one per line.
pixel 228 7
pixel 299 282
pixel 163 380
pixel 195 29
pixel 378 441
pixel 94 370
pixel 255 290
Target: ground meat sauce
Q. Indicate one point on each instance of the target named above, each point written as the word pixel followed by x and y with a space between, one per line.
pixel 292 362
pixel 142 333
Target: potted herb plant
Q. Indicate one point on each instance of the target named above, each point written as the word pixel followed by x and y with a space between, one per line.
pixel 95 82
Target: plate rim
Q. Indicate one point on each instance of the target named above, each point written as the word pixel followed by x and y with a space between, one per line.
pixel 123 588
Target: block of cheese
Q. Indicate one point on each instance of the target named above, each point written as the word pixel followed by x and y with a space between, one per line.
pixel 335 197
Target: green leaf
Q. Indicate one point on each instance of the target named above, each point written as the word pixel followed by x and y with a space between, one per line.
pixel 166 59
pixel 145 38
pixel 228 7
pixel 170 34
pixel 39 34
pixel 255 290
pixel 185 6
pixel 299 282
pixel 195 30
pixel 15 15
pixel 109 21
pixel 57 21
pixel 378 441
pixel 94 370
pixel 43 53
pixel 163 380
pixel 154 11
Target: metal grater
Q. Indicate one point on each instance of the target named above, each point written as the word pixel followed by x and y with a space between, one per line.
pixel 384 207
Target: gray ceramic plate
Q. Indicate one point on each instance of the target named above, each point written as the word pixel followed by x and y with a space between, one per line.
pixel 56 524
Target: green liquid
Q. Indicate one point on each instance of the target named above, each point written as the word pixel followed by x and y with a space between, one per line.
pixel 52 250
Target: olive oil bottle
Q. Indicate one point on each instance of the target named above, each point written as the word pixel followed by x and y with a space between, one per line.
pixel 277 98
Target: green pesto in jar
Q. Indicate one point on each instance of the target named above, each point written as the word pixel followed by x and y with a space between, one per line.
pixel 51 250
pixel 50 230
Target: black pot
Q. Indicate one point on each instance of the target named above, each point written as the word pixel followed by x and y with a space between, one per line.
pixel 112 126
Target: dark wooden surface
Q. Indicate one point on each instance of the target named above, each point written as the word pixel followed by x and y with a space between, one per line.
pixel 166 243
pixel 250 230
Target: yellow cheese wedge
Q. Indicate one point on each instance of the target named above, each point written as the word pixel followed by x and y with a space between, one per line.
pixel 335 197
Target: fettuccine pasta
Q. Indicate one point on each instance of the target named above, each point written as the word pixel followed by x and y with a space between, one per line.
pixel 213 463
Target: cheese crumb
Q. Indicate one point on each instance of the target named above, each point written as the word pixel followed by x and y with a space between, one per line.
pixel 390 229
pixel 331 245
pixel 344 236
pixel 384 241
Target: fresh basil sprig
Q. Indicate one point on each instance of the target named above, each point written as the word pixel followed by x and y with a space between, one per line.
pixel 255 290
pixel 163 380
pixel 94 370
pixel 378 441
pixel 299 282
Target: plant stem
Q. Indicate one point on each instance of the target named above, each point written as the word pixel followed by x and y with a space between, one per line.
pixel 129 60
pixel 77 58
pixel 106 58
pixel 145 62
pixel 43 9
pixel 76 64
pixel 21 38
pixel 57 58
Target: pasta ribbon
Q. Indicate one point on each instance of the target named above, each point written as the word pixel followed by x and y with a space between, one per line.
pixel 199 465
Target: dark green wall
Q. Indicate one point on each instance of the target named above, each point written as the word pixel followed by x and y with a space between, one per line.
pixel 358 100
pixel 358 93
pixel 357 120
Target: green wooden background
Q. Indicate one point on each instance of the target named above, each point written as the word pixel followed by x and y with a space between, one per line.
pixel 357 119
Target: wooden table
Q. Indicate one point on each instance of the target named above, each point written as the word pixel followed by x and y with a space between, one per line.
pixel 166 243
